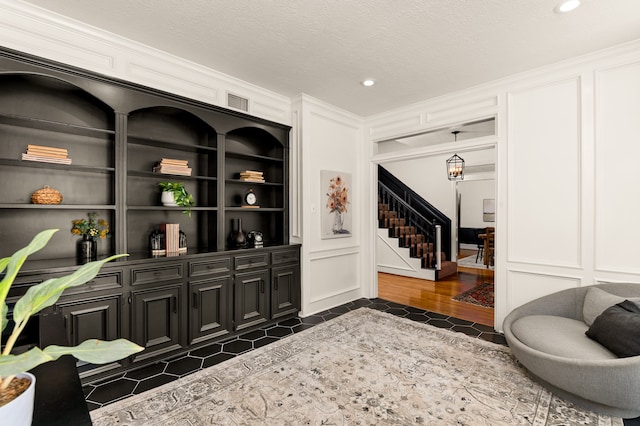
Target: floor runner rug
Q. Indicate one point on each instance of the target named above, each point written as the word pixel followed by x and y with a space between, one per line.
pixel 362 368
pixel 479 295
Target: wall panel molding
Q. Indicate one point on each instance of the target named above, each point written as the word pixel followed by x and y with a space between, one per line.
pixel 617 100
pixel 544 152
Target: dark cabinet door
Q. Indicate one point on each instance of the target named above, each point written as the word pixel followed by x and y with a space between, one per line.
pixel 285 290
pixel 155 320
pixel 92 319
pixel 209 312
pixel 251 296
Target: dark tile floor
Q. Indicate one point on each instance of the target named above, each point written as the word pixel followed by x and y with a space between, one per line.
pixel 143 379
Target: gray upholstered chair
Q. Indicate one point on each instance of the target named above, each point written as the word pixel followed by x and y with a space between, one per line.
pixel 547 337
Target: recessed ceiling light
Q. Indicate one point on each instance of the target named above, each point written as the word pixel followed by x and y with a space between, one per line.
pixel 566 6
pixel 368 82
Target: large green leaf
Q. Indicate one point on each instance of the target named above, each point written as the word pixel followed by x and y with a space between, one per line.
pixel 4 310
pixel 96 351
pixel 3 263
pixel 18 258
pixel 45 294
pixel 14 364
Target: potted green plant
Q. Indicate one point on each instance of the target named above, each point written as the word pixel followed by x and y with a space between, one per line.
pixel 179 195
pixel 37 298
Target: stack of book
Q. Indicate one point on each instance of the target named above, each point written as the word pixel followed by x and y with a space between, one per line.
pixel 173 167
pixel 251 176
pixel 46 154
pixel 172 237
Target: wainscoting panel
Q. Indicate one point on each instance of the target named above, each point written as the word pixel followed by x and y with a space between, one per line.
pixel 524 286
pixel 617 155
pixel 336 280
pixel 544 175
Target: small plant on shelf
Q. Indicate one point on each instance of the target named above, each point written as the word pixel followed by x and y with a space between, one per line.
pixel 91 229
pixel 37 298
pixel 180 195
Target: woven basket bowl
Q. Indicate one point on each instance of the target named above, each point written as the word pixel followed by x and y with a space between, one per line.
pixel 46 195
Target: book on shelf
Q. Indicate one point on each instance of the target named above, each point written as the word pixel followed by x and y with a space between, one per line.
pixel 175 162
pixel 252 176
pixel 33 149
pixel 184 171
pixel 45 159
pixel 250 207
pixel 173 167
pixel 171 237
pixel 46 154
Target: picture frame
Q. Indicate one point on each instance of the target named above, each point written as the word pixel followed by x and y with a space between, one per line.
pixel 489 210
pixel 336 215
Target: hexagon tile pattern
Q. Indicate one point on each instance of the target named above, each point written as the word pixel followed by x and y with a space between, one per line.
pixel 137 381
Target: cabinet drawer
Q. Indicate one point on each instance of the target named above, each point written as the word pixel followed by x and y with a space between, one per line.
pixel 285 256
pixel 210 266
pixel 102 281
pixel 157 274
pixel 251 261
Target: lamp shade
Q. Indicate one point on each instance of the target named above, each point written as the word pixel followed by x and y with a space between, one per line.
pixel 455 168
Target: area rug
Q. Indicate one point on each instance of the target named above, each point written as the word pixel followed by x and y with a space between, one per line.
pixel 362 368
pixel 470 262
pixel 481 294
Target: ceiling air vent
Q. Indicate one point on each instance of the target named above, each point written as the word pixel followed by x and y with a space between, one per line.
pixel 237 102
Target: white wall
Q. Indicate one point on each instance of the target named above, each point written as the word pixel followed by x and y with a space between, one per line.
pixel 472 196
pixel 427 177
pixel 332 268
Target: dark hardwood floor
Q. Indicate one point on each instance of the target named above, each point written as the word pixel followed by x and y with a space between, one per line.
pixel 437 296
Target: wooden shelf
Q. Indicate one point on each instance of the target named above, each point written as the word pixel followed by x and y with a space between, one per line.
pixel 259 209
pixel 171 208
pixel 58 206
pixel 53 126
pixel 166 176
pixel 55 166
pixel 244 182
pixel 254 157
pixel 140 140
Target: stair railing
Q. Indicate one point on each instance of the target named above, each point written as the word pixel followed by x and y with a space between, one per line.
pixel 429 228
pixel 421 206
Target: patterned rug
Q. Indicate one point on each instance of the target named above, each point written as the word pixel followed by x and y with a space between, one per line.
pixel 470 262
pixel 479 295
pixel 364 367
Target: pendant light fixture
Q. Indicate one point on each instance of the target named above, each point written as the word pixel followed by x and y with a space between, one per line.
pixel 455 164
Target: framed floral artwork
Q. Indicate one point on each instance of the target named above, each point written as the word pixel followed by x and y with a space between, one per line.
pixel 336 212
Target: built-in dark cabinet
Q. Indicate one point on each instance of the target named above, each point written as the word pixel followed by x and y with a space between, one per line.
pixel 251 298
pixel 155 320
pixel 284 291
pixel 115 133
pixel 92 318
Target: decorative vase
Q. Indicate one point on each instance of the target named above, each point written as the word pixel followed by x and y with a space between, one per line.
pixel 87 249
pixel 239 239
pixel 338 221
pixel 167 199
pixel 19 412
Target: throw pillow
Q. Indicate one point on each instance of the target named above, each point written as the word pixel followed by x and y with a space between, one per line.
pixel 618 329
pixel 597 300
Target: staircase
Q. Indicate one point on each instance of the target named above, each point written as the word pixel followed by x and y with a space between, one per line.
pixel 416 244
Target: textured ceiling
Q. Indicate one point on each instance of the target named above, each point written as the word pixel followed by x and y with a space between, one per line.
pixel 414 49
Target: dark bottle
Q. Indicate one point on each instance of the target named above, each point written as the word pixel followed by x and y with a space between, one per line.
pixel 239 238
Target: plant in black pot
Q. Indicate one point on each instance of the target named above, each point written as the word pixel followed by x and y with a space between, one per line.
pixel 175 194
pixel 16 385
